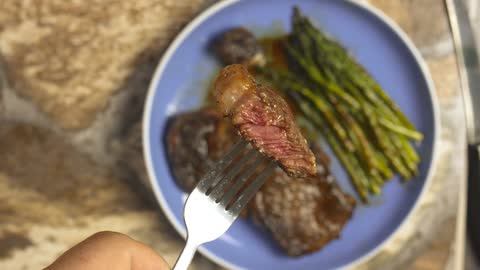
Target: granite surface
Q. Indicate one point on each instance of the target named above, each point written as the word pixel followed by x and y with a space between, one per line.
pixel 85 51
pixel 69 171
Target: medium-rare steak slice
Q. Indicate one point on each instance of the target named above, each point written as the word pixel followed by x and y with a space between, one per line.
pixel 263 117
pixel 303 214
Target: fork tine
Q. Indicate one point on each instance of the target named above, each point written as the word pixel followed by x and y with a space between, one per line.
pixel 209 179
pixel 241 180
pixel 219 188
pixel 250 191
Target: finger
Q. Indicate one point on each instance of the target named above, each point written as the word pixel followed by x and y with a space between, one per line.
pixel 109 251
pixel 145 258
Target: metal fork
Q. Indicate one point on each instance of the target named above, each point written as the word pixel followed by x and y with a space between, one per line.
pixel 220 196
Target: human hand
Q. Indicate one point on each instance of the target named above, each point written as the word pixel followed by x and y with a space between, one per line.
pixel 109 251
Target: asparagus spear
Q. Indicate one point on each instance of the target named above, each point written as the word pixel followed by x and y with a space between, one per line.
pixel 409 164
pixel 383 165
pixel 318 78
pixel 363 145
pixel 408 148
pixel 384 143
pixel 376 182
pixel 357 175
pixel 411 134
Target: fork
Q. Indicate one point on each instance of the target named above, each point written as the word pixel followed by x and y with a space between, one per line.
pixel 220 196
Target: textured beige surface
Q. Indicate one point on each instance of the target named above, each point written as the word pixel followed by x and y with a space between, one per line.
pixel 70 57
pixel 51 197
pixel 423 20
pixel 444 74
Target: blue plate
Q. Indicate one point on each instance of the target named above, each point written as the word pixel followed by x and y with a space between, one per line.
pixel 381 47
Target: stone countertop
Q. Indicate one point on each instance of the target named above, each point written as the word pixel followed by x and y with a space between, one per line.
pixel 70 135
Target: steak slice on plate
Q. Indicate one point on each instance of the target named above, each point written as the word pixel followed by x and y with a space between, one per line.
pixel 303 214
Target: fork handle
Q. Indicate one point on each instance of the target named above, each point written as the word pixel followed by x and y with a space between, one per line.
pixel 186 256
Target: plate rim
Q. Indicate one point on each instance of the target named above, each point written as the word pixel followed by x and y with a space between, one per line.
pixel 212 10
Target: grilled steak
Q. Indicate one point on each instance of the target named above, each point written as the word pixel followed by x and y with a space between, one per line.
pixel 195 141
pixel 264 118
pixel 302 214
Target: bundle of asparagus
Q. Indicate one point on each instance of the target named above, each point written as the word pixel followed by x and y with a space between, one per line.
pixel 364 127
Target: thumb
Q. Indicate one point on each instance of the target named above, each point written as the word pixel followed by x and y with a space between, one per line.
pixel 112 251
